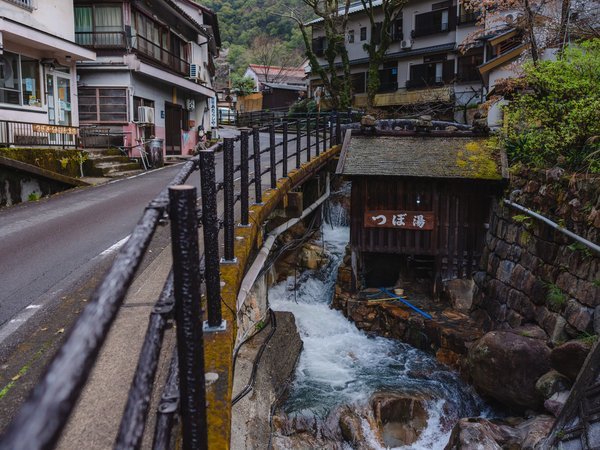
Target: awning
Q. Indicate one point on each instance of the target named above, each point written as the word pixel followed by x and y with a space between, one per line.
pixel 22 35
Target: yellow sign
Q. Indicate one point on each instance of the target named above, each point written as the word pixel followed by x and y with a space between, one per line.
pixel 38 128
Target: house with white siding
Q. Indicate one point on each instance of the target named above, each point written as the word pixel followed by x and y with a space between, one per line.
pixel 38 76
pixel 153 76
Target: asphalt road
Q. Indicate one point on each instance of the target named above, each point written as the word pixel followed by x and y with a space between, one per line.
pixel 46 247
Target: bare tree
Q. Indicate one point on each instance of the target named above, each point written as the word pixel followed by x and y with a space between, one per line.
pixel 381 38
pixel 276 59
pixel 333 15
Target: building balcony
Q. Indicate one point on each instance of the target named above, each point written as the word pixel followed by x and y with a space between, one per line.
pixel 402 97
pixel 118 40
pixel 424 82
pixel 391 86
pixel 25 4
pixel 467 18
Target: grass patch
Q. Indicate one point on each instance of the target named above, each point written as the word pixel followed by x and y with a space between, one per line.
pixel 555 298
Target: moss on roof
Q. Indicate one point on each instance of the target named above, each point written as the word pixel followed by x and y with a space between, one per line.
pixel 430 157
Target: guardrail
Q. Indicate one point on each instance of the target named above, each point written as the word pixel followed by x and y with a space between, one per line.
pixel 44 415
pixel 35 134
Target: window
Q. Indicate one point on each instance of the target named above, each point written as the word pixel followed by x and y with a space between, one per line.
pixel 396 31
pixel 437 21
pixel 160 43
pixel 363 33
pixel 19 80
pixel 318 45
pixel 350 36
pixel 467 67
pixel 103 105
pixel 358 81
pixel 431 74
pixel 99 26
pixel 376 33
pixel 388 77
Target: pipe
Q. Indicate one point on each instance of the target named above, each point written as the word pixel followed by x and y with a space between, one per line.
pixel 263 254
pixel 590 245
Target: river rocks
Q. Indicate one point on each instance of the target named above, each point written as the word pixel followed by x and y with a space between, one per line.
pixel 505 366
pixel 460 294
pixel 477 434
pixel 569 357
pixel 368 121
pixel 351 427
pixel 312 256
pixel 400 418
pixel 552 382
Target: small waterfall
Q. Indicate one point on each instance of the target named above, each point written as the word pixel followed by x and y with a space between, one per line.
pixel 342 367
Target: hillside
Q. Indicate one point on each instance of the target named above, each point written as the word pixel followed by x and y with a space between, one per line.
pixel 240 21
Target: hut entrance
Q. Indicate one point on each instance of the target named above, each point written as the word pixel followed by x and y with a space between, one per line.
pixel 415 273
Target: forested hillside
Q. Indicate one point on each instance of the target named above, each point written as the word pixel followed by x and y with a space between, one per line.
pixel 244 23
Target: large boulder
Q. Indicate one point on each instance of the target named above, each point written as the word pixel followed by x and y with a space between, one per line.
pixel 478 433
pixel 505 366
pixel 569 357
pixel 400 418
pixel 552 382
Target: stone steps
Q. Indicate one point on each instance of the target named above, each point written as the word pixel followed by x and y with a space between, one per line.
pixel 111 163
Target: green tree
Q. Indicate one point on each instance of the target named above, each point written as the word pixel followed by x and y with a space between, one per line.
pixel 555 118
pixel 381 38
pixel 333 15
pixel 242 85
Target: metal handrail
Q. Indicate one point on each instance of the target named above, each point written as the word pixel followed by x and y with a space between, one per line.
pixel 44 415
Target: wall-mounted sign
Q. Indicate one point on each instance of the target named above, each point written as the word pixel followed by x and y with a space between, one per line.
pixel 37 128
pixel 406 220
pixel 212 106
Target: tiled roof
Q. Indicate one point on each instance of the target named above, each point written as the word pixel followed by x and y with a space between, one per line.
pixel 416 156
pixel 354 8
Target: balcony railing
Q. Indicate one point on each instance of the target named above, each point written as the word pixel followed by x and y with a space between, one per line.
pixel 27 4
pixel 391 86
pixel 24 134
pixel 101 39
pixel 157 53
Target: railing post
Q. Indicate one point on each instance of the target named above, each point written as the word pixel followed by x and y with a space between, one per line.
pixel 272 155
pixel 298 142
pixel 332 135
pixel 257 171
pixel 349 112
pixel 244 178
pixel 338 129
pixel 317 136
pixel 285 149
pixel 325 126
pixel 308 138
pixel 228 200
pixel 188 315
pixel 210 229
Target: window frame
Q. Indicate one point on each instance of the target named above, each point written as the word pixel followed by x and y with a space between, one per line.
pixel 98 113
pixel 363 34
pixel 20 82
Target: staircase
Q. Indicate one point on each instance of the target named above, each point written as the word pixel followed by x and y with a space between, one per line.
pixel 111 163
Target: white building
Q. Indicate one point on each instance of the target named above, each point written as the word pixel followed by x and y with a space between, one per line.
pixel 423 63
pixel 154 71
pixel 38 73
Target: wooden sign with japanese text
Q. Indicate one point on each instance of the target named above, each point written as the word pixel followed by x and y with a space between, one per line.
pixel 405 220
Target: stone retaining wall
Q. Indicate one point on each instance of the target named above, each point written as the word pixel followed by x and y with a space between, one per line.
pixel 535 274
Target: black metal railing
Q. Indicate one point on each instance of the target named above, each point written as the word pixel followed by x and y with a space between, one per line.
pixel 282 115
pixel 101 39
pixel 42 418
pixel 25 134
pixel 160 54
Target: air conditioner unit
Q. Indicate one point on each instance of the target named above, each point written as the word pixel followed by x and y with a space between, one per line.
pixel 405 44
pixel 145 114
pixel 194 71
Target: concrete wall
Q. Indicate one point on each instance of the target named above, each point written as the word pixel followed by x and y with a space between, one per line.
pixel 51 16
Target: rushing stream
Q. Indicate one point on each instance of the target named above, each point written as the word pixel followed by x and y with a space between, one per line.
pixel 341 365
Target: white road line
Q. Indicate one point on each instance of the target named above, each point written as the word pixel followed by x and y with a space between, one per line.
pixel 113 248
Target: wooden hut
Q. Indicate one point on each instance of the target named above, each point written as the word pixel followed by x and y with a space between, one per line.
pixel 420 206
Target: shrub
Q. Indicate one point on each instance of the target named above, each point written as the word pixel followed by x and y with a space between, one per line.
pixel 555 119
